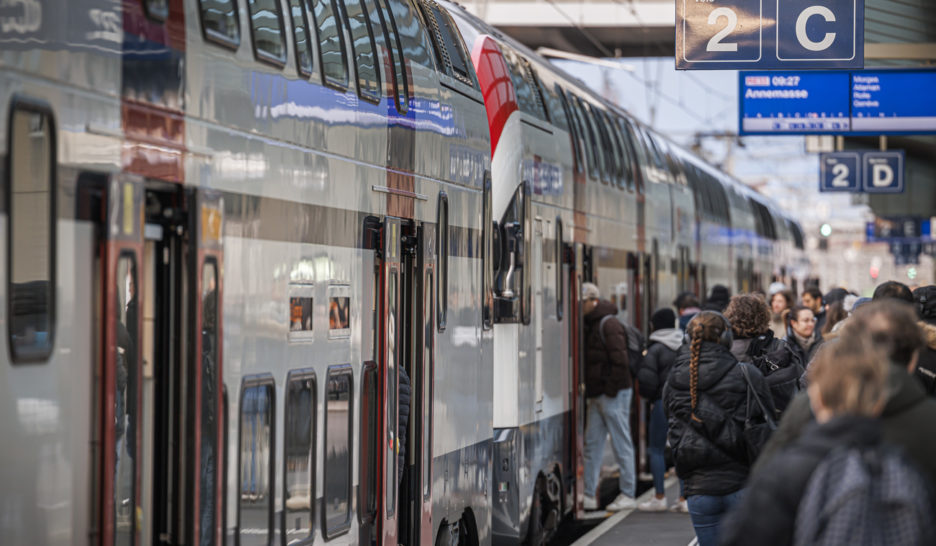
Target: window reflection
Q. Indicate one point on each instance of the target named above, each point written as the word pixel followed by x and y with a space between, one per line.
pixel 256 460
pixel 125 400
pixel 31 236
pixel 337 472
pixel 301 37
pixel 267 28
pixel 413 35
pixel 219 18
pixel 299 452
pixel 331 42
pixel 364 57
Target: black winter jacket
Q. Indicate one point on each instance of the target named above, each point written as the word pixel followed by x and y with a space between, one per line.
pixel 767 514
pixel 804 355
pixel 711 454
pixel 777 361
pixel 661 354
pixel 606 364
pixel 907 422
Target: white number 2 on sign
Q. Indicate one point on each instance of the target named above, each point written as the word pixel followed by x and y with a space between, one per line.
pixel 715 44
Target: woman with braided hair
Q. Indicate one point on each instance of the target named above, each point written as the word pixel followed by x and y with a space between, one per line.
pixel 706 401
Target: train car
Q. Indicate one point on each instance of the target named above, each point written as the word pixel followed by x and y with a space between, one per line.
pixel 232 226
pixel 237 230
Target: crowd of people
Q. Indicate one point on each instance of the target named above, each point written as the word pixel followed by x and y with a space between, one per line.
pixel 788 422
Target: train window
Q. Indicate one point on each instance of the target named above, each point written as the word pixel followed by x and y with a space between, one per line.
pixel 266 27
pixel 627 164
pixel 299 456
pixel 392 441
pixel 585 135
pixel 640 156
pixel 127 383
pixel 31 188
pixel 592 127
pixel 219 22
pixel 616 151
pixel 362 46
pixel 390 39
pixel 301 37
pixel 487 253
pixel 157 9
pixel 256 461
pixel 555 108
pixel 537 89
pixel 332 57
pixel 370 442
pixel 338 427
pixel 449 50
pixel 607 146
pixel 525 92
pixel 578 152
pixel 442 232
pixel 209 394
pixel 413 35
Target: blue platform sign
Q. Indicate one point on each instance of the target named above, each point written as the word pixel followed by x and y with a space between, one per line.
pixel 840 171
pixel 883 172
pixel 769 34
pixel 888 101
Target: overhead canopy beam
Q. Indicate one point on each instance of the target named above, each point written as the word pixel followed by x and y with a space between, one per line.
pixel 895 51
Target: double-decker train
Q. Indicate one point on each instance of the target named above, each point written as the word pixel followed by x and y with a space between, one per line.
pixel 237 230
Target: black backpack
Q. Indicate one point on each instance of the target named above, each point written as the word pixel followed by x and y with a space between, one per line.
pixel 781 368
pixel 636 344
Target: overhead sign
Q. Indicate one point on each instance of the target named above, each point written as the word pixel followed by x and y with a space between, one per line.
pixel 840 171
pixel 883 172
pixel 774 34
pixel 902 229
pixel 870 171
pixel 868 102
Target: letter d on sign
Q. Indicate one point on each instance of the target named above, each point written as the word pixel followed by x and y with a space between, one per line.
pixel 882 175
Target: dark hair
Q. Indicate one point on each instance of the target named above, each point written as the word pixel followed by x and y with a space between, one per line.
pixel 893 290
pixel 835 295
pixel 706 326
pixel 834 315
pixel 813 292
pixel 891 324
pixel 662 318
pixel 686 300
pixel 795 311
pixel 749 316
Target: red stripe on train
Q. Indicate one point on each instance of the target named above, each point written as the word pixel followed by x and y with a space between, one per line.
pixel 500 98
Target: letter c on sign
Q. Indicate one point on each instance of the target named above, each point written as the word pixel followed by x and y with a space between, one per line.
pixel 801 21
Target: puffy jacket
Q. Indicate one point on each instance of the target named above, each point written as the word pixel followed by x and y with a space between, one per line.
pixel 906 421
pixel 606 366
pixel 711 454
pixel 661 354
pixel 767 513
pixel 777 361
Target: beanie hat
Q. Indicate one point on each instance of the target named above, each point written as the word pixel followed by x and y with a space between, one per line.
pixel 589 291
pixel 663 318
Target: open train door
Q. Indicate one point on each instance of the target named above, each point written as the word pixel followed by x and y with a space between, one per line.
pixel 118 378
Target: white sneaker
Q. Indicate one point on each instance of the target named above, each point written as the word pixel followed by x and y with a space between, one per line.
pixel 590 503
pixel 622 502
pixel 680 506
pixel 653 505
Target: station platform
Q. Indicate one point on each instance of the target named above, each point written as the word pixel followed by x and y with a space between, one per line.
pixel 633 527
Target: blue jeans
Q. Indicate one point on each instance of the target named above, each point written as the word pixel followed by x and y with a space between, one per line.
pixel 707 511
pixel 609 415
pixel 656 445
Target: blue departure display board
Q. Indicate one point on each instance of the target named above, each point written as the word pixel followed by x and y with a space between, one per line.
pixel 886 100
pixel 847 102
pixel 806 102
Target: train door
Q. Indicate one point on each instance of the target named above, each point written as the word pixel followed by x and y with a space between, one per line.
pixel 400 498
pixel 537 267
pixel 118 377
